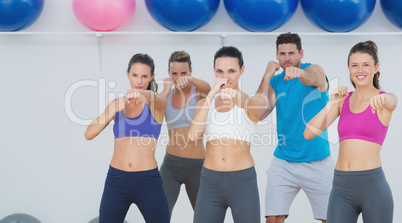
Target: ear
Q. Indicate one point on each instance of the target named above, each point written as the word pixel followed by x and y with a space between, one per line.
pixel 153 76
pixel 242 70
pixel 128 74
pixel 276 54
pixel 301 54
pixel 191 70
pixel 377 67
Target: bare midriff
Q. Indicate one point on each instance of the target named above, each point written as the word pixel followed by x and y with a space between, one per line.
pixel 358 155
pixel 228 155
pixel 180 146
pixel 134 154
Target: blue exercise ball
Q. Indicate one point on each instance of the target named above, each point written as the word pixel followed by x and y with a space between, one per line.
pixel 19 14
pixel 182 15
pixel 338 15
pixel 260 15
pixel 393 11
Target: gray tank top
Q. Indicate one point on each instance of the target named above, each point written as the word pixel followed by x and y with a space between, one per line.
pixel 179 118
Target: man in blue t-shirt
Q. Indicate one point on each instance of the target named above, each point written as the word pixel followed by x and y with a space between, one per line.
pixel 298 93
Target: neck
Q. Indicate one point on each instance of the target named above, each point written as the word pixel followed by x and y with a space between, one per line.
pixel 365 92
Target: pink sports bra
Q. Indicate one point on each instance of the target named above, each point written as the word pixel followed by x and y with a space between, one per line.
pixel 364 125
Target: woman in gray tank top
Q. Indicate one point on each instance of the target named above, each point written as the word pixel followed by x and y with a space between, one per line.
pixel 183 160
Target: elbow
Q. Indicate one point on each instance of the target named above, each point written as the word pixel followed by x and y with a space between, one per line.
pixel 191 138
pixel 308 135
pixel 191 135
pixel 88 136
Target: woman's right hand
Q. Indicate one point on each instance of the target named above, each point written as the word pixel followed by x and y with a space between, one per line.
pixel 219 84
pixel 339 94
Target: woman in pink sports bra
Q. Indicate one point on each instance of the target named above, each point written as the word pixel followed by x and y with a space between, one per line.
pixel 133 175
pixel 359 184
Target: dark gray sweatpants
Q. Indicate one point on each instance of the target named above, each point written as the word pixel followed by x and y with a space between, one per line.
pixel 356 192
pixel 176 171
pixel 220 190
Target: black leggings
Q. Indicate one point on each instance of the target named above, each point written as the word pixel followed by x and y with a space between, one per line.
pixel 356 192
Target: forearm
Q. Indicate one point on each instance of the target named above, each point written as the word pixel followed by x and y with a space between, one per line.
pixel 167 87
pixel 197 126
pixel 264 85
pixel 322 120
pixel 313 76
pixel 266 95
pixel 202 86
pixel 257 105
pixel 99 124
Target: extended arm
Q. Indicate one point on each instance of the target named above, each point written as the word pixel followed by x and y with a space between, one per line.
pixel 100 123
pixel 322 120
pixel 388 101
pixel 327 115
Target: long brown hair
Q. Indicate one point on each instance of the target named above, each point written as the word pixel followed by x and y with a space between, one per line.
pixel 371 49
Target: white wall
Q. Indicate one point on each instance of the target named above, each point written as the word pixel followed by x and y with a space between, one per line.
pixel 48 169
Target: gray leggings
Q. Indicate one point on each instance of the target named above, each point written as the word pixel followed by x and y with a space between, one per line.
pixel 176 171
pixel 220 190
pixel 356 192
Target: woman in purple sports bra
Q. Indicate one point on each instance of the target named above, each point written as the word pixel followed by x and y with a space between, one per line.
pixel 359 184
pixel 133 175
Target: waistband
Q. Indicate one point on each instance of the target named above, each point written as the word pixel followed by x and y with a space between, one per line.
pixel 178 158
pixel 132 173
pixel 359 173
pixel 249 172
pixel 181 162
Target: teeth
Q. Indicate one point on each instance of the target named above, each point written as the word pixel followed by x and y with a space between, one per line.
pixel 360 77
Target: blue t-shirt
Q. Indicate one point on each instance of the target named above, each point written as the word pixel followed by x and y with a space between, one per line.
pixel 296 104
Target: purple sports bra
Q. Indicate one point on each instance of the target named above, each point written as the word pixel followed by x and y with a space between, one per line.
pixel 364 125
pixel 144 125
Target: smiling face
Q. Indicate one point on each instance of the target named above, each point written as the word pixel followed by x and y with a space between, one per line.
pixel 179 69
pixel 288 55
pixel 229 68
pixel 140 76
pixel 362 69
